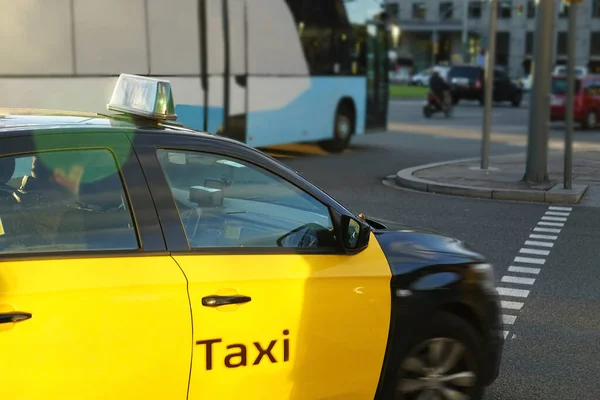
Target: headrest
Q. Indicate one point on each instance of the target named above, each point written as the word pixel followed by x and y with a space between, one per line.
pixel 7 169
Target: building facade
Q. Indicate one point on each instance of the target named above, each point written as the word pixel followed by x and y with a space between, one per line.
pixel 431 32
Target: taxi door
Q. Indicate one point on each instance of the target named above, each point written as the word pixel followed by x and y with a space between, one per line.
pixel 269 322
pixel 91 305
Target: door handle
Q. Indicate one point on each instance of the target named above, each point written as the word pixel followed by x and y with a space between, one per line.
pixel 216 301
pixel 15 316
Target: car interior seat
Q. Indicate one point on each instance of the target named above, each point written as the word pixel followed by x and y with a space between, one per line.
pixel 7 169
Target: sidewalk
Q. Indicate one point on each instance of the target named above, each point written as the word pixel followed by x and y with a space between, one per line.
pixel 503 179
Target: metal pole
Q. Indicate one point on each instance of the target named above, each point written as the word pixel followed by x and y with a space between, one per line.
pixel 536 169
pixel 570 94
pixel 465 44
pixel 434 40
pixel 489 85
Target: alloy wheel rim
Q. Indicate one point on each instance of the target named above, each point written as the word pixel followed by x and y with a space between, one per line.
pixel 437 369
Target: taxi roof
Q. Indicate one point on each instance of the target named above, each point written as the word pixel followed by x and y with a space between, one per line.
pixel 30 117
pixel 17 120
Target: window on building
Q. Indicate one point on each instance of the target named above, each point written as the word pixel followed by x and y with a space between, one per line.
pixel 446 10
pixel 505 9
pixel 595 44
pixel 502 48
pixel 419 11
pixel 596 9
pixel 531 9
pixel 561 44
pixel 529 43
pixel 475 9
pixel 563 11
pixel 393 10
pixel 474 46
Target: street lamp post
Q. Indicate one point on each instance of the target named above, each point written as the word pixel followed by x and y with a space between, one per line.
pixel 490 62
pixel 536 168
pixel 464 36
pixel 571 42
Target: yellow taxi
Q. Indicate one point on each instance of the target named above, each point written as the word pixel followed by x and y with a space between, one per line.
pixel 143 260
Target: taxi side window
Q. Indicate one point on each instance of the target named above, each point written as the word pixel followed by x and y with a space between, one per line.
pixel 224 202
pixel 63 201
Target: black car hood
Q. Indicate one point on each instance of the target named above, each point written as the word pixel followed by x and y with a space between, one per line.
pixel 408 245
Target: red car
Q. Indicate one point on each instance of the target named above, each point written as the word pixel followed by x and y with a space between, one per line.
pixel 586 109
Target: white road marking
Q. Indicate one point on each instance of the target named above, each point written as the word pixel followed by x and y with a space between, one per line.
pixel 562 219
pixel 535 251
pixel 511 305
pixel 529 260
pixel 546 237
pixel 558 214
pixel 518 279
pixel 539 244
pixel 502 291
pixel 548 230
pixel 551 223
pixel 524 270
pixel 554 208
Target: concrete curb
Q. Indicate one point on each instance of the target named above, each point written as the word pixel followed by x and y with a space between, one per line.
pixel 556 194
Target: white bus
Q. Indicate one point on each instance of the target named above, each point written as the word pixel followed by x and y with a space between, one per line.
pixel 260 71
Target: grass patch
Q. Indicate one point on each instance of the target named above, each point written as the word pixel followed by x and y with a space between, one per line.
pixel 399 92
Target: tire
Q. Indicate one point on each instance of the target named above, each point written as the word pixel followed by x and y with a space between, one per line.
pixel 516 100
pixel 427 112
pixel 447 330
pixel 590 121
pixel 343 129
pixel 455 100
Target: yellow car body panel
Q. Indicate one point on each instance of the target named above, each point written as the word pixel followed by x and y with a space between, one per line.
pixel 102 328
pixel 316 326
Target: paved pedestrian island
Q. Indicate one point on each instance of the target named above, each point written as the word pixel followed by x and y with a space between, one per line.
pixel 504 179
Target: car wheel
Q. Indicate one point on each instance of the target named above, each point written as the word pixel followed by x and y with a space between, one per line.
pixel 455 100
pixel 342 132
pixel 591 120
pixel 516 101
pixel 445 363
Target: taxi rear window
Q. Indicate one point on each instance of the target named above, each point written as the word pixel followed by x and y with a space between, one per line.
pixel 559 86
pixel 63 201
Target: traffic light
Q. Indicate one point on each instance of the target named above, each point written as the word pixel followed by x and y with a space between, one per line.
pixel 520 10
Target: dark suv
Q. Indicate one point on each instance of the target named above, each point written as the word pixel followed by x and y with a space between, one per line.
pixel 467 83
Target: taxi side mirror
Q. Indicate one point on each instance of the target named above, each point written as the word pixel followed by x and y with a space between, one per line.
pixel 355 234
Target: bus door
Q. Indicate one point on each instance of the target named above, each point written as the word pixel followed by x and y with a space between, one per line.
pixel 223 68
pixel 236 82
pixel 377 76
pixel 212 65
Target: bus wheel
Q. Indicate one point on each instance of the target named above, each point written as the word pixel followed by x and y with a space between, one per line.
pixel 343 130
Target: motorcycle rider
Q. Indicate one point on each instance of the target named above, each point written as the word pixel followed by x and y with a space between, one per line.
pixel 439 87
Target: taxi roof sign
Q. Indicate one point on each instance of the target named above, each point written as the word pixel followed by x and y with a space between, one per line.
pixel 144 97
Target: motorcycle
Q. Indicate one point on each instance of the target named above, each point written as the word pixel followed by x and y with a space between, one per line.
pixel 434 104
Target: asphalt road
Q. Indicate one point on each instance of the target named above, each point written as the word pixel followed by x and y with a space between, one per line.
pixel 507 121
pixel 553 342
